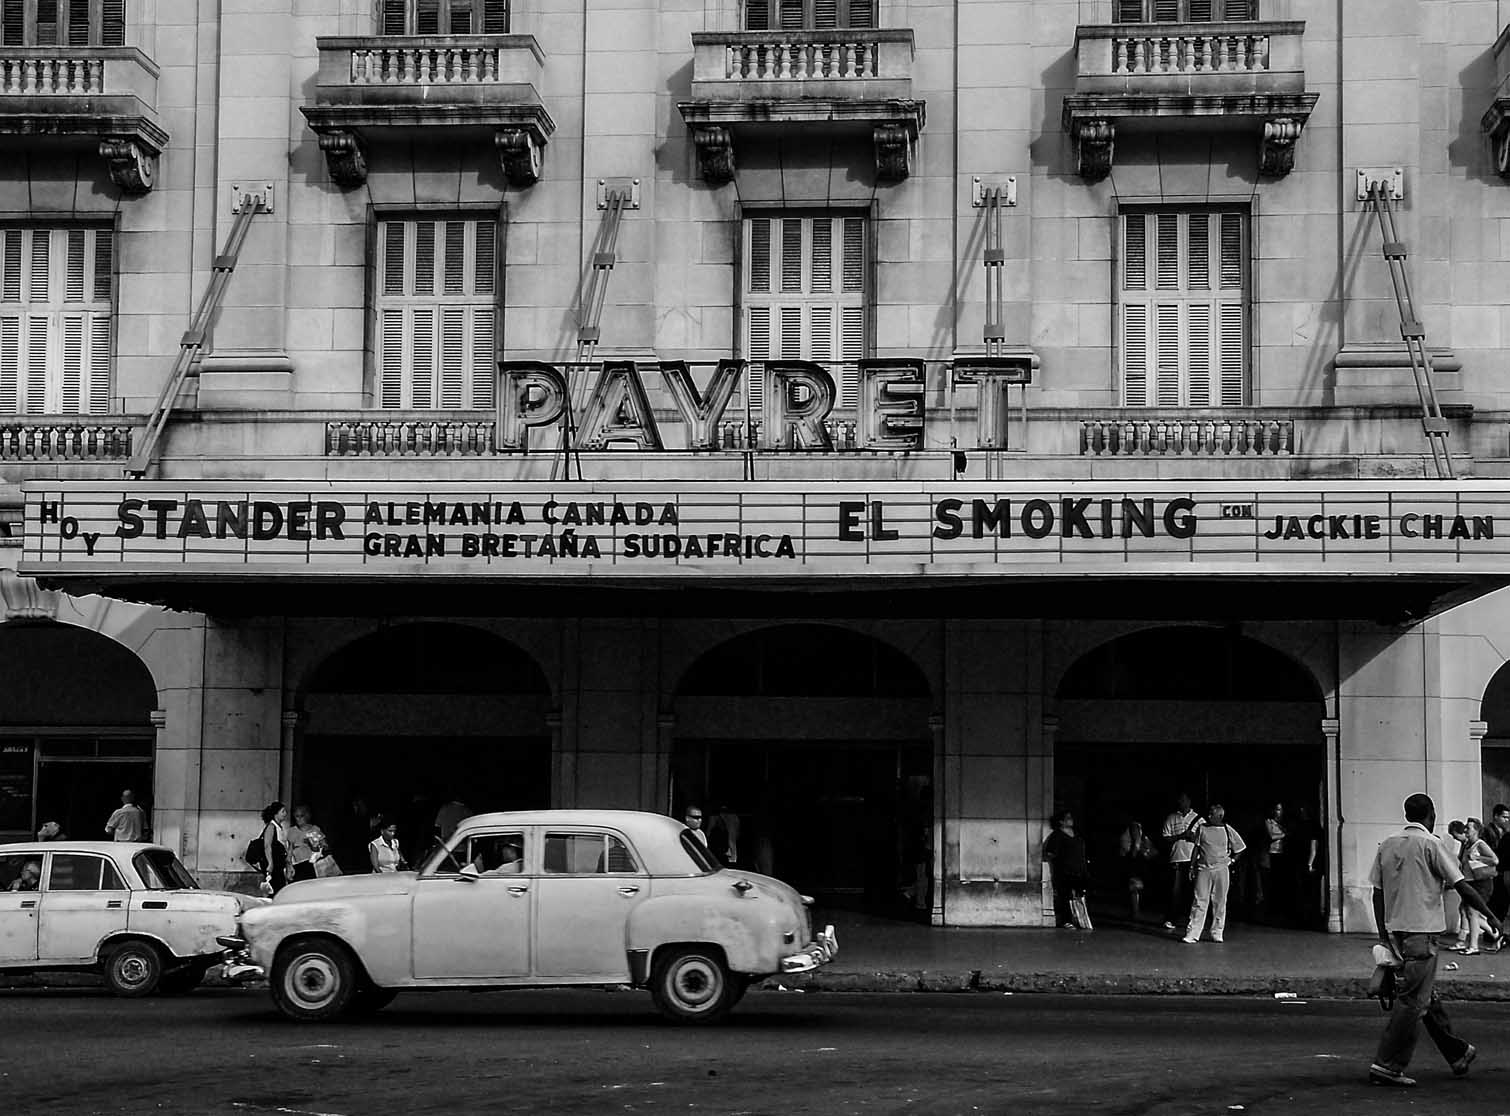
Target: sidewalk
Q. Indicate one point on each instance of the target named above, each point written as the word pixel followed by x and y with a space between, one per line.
pixel 1119 958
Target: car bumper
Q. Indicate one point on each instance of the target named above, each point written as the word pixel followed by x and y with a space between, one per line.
pixel 237 960
pixel 820 951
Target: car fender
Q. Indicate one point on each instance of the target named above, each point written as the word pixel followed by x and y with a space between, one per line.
pixel 266 928
pixel 127 935
pixel 750 936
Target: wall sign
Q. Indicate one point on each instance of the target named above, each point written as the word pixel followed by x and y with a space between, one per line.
pixel 799 529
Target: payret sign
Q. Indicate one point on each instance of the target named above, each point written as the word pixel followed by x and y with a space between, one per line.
pixel 632 530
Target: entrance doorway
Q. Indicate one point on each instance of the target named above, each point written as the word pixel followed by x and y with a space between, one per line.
pixel 817 739
pixel 414 716
pixel 75 729
pixel 1222 718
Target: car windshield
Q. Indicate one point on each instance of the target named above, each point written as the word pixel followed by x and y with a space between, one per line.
pixel 698 852
pixel 161 870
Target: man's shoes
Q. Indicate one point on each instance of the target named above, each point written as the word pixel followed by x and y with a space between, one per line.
pixel 1472 952
pixel 1460 1067
pixel 1191 941
pixel 1170 926
pixel 1382 1075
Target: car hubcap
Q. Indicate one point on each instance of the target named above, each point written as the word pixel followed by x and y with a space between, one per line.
pixel 312 981
pixel 132 970
pixel 696 983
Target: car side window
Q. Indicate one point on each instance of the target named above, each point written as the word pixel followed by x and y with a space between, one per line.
pixel 20 871
pixel 496 854
pixel 586 854
pixel 81 872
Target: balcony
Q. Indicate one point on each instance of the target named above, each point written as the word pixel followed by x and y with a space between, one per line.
pixel 105 97
pixel 1150 77
pixel 836 80
pixel 1496 122
pixel 455 88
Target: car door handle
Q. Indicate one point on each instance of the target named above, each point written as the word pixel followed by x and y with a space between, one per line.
pixel 154 905
pixel 518 889
pixel 629 889
pixel 113 905
pixel 28 904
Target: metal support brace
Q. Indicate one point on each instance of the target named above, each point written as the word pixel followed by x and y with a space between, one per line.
pixel 193 339
pixel 614 200
pixel 1433 424
pixel 994 333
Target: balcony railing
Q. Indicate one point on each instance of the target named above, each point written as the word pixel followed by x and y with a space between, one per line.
pixel 63 440
pixel 408 438
pixel 1254 57
pixel 73 77
pixel 724 59
pixel 1159 437
pixel 1218 52
pixel 451 64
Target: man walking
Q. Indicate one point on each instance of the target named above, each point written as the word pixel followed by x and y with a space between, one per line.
pixel 1411 870
pixel 1177 830
pixel 128 823
pixel 1497 833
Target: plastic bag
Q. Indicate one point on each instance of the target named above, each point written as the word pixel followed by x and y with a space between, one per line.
pixel 325 865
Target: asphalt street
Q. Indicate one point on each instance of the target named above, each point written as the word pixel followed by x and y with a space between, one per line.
pixel 226 1053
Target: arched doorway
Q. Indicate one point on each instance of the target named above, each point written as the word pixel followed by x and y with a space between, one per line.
pixel 413 716
pixel 1494 754
pixel 1210 712
pixel 75 729
pixel 817 737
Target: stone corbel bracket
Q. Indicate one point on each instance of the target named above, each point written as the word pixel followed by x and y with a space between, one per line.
pixel 715 154
pixel 520 151
pixel 1496 125
pixel 1276 146
pixel 1095 147
pixel 344 157
pixel 133 165
pixel 894 143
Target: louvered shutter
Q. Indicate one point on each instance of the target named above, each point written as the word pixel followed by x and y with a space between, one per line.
pixel 427 17
pixel 1200 11
pixel 78 22
pixel 757 15
pixel 1166 11
pixel 862 13
pixel 791 15
pixel 113 22
pixel 10 362
pixel 13 22
pixel 825 14
pixel 393 19
pixel 437 323
pixel 1129 11
pixel 1183 319
pixel 46 26
pixel 495 17
pixel 36 363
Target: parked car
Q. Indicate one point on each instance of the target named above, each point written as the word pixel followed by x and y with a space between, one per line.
pixel 555 897
pixel 129 910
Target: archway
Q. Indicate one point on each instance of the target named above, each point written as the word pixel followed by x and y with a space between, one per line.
pixel 413 716
pixel 75 729
pixel 817 738
pixel 1494 754
pixel 1220 716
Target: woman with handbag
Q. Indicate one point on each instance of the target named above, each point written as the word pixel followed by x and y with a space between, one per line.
pixel 1479 865
pixel 274 848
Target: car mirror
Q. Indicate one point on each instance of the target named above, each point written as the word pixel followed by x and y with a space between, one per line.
pixel 470 874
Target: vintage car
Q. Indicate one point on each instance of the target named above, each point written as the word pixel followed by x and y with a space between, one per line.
pixel 127 909
pixel 554 897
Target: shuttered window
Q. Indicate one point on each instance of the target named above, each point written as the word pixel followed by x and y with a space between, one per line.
pixel 62 22
pixel 437 318
pixel 804 297
pixel 1184 11
pixel 56 300
pixel 819 15
pixel 1183 307
pixel 443 17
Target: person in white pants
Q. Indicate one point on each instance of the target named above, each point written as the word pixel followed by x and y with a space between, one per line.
pixel 1217 845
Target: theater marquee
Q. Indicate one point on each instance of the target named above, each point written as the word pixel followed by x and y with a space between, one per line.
pixel 763 530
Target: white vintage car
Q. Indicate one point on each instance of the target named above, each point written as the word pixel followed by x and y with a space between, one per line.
pixel 554 897
pixel 127 909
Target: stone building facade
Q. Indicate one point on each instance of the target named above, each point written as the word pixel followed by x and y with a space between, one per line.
pixel 969 353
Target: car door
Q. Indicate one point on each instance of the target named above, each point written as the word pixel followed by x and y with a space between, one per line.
pixel 20 910
pixel 589 881
pixel 84 899
pixel 475 928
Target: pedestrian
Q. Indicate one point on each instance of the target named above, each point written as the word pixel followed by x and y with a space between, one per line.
pixel 723 835
pixel 51 831
pixel 306 845
pixel 1177 831
pixel 1137 855
pixel 383 850
pixel 1064 853
pixel 1458 832
pixel 1410 872
pixel 1273 865
pixel 1479 865
pixel 1217 845
pixel 1499 902
pixel 693 816
pixel 274 847
pixel 1305 864
pixel 449 817
pixel 128 823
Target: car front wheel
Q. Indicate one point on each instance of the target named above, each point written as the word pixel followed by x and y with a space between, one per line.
pixel 313 980
pixel 691 984
pixel 133 969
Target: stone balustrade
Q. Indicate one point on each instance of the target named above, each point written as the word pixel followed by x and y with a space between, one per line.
pixel 802 61
pixel 60 440
pixel 426 65
pixel 874 62
pixel 1164 437
pixel 31 76
pixel 408 438
pixel 1209 52
pixel 1258 57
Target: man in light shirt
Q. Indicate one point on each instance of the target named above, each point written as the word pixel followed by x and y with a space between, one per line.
pixel 1411 870
pixel 1177 832
pixel 1217 845
pixel 128 823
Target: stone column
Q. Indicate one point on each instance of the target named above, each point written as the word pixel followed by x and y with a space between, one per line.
pixel 940 802
pixel 287 743
pixel 563 766
pixel 1331 729
pixel 665 741
pixel 169 823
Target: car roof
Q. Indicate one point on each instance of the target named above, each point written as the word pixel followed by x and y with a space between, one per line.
pixel 655 836
pixel 107 847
